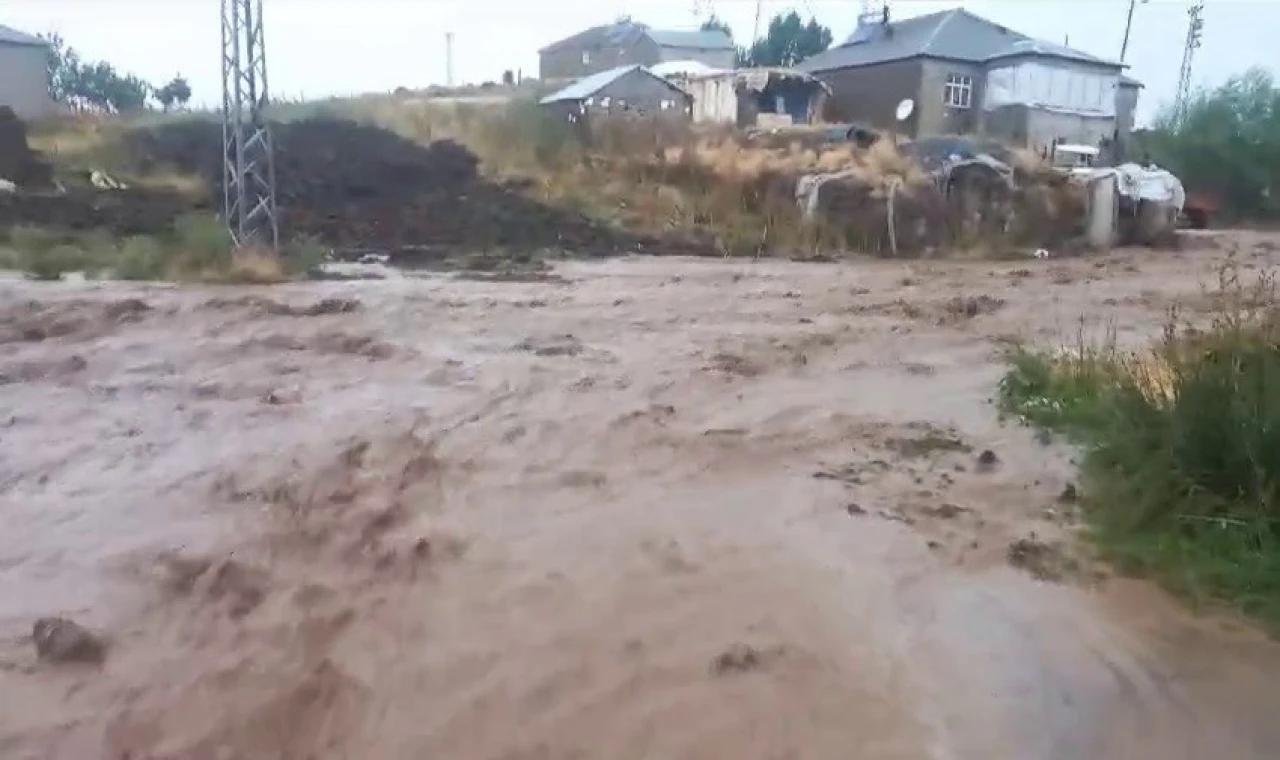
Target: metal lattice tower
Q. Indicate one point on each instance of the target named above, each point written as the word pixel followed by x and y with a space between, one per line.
pixel 1195 29
pixel 249 172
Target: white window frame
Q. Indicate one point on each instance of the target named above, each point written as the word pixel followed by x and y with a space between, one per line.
pixel 586 57
pixel 958 91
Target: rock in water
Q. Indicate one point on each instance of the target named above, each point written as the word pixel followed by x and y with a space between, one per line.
pixel 62 640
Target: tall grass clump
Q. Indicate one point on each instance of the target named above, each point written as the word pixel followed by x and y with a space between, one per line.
pixel 1182 446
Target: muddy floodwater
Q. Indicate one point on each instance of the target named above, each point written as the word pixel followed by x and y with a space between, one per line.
pixel 642 508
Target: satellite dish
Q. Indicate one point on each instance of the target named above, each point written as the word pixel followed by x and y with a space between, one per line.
pixel 905 109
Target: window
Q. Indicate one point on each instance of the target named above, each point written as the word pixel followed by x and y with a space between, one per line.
pixel 959 91
pixel 586 57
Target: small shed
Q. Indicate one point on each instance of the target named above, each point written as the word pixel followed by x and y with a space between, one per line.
pixel 627 93
pixel 24 74
pixel 767 97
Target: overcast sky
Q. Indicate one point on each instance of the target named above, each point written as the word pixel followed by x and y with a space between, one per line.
pixel 333 47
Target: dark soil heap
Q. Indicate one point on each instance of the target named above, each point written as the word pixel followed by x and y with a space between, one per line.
pixel 18 163
pixel 361 188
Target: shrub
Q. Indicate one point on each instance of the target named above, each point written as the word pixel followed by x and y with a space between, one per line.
pixel 52 264
pixel 1182 447
pixel 140 258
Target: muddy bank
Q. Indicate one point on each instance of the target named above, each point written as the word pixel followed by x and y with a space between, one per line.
pixel 672 508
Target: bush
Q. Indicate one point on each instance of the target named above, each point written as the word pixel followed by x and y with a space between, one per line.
pixel 1182 448
pixel 1227 144
pixel 201 243
pixel 140 258
pixel 52 264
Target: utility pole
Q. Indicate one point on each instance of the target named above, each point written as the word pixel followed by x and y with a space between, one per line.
pixel 1195 30
pixel 248 161
pixel 1128 25
pixel 755 31
pixel 448 58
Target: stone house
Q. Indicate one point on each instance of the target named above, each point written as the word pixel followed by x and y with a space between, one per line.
pixel 968 75
pixel 625 43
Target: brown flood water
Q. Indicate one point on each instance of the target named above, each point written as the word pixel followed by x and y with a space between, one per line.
pixel 655 508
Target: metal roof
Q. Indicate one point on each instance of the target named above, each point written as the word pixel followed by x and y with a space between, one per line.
pixel 588 86
pixel 628 32
pixel 714 39
pixel 12 36
pixel 955 35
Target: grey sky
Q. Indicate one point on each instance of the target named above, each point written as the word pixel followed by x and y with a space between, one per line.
pixel 326 47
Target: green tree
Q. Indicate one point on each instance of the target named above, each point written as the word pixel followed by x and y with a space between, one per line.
pixel 176 93
pixel 715 24
pixel 788 41
pixel 1226 144
pixel 96 86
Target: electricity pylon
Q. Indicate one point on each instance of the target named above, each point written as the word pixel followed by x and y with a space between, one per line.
pixel 249 172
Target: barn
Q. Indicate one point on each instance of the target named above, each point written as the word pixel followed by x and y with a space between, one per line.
pixel 24 74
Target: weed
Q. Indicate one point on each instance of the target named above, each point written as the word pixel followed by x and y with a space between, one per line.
pixel 201 244
pixel 1182 446
pixel 52 264
pixel 140 258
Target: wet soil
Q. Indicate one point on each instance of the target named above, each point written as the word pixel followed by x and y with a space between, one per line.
pixel 358 187
pixel 653 508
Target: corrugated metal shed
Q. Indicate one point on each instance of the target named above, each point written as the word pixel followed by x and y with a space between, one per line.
pixel 588 86
pixel 955 35
pixel 12 36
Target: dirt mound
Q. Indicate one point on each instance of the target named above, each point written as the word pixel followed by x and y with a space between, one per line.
pixel 18 163
pixel 134 211
pixel 360 187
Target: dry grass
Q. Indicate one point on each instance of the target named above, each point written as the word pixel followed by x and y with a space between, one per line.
pixel 713 185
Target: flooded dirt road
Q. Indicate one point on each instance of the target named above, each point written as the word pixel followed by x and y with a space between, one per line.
pixel 648 508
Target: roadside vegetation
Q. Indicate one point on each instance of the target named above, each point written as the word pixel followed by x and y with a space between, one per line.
pixel 199 249
pixel 1181 445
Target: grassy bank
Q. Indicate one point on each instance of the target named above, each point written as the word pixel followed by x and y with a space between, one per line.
pixel 1181 447
pixel 198 249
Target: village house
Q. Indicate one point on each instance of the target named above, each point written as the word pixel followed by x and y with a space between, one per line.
pixel 968 75
pixel 626 43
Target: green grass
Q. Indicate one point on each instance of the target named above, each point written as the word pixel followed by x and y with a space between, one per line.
pixel 197 249
pixel 1181 449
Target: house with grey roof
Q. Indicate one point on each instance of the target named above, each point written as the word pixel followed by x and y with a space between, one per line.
pixel 24 74
pixel 969 75
pixel 625 43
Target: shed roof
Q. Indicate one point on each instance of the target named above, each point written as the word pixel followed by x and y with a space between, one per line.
pixel 628 32
pixel 588 86
pixel 11 36
pixel 956 35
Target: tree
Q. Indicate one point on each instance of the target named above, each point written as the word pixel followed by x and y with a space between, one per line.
pixel 176 92
pixel 95 86
pixel 787 42
pixel 715 24
pixel 1226 144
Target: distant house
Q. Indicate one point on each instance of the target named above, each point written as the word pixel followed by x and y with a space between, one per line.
pixel 24 74
pixel 968 75
pixel 625 93
pixel 626 42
